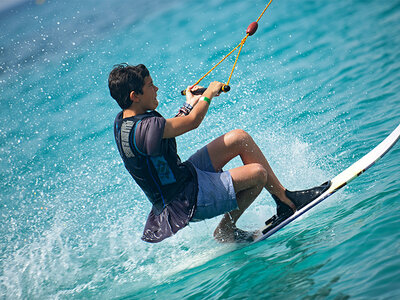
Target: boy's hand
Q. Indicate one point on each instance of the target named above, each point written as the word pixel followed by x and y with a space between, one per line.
pixel 214 89
pixel 190 98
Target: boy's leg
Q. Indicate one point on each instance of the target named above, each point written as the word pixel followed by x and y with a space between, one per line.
pixel 248 180
pixel 238 142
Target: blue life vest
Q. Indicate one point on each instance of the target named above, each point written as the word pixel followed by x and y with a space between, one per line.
pixel 162 177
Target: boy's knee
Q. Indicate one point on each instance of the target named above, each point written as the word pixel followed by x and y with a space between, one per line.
pixel 262 173
pixel 239 135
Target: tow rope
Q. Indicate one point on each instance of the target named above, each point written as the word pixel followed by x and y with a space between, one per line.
pixel 251 29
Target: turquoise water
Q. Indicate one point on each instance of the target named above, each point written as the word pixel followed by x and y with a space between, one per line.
pixel 317 87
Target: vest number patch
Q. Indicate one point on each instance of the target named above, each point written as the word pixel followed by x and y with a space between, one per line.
pixel 164 172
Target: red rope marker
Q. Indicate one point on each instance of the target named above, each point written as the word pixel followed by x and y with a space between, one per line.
pixel 252 28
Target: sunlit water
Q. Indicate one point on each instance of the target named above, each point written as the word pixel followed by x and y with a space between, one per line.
pixel 317 87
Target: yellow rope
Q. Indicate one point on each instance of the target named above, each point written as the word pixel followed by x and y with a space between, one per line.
pixel 264 11
pixel 226 56
pixel 241 44
pixel 237 57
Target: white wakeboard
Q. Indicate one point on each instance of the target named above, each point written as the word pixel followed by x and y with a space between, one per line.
pixel 334 184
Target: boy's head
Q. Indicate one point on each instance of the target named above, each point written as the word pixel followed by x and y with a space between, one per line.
pixel 123 80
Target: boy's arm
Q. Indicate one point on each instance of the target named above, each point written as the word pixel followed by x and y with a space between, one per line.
pixel 177 126
pixel 184 110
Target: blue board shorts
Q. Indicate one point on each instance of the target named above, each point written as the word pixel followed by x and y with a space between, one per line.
pixel 216 194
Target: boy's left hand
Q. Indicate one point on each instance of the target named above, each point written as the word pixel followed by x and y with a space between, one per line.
pixel 190 98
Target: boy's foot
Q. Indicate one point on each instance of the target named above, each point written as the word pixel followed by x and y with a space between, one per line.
pixel 299 199
pixel 283 210
pixel 234 235
pixel 242 236
pixel 304 197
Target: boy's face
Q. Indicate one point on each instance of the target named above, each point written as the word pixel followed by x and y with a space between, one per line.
pixel 148 99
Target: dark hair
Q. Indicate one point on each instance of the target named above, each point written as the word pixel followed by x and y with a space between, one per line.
pixel 123 80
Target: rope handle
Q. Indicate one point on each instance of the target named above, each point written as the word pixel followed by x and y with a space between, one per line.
pixel 225 88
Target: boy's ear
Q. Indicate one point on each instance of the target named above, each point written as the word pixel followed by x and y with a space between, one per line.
pixel 133 97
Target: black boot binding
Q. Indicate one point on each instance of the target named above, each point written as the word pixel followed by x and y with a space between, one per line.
pixel 283 211
pixel 304 197
pixel 299 199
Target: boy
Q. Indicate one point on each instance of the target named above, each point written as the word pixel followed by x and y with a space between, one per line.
pixel 197 189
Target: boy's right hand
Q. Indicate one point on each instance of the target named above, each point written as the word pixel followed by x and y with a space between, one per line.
pixel 214 89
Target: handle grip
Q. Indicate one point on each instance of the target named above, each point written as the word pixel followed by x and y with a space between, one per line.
pixel 225 88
